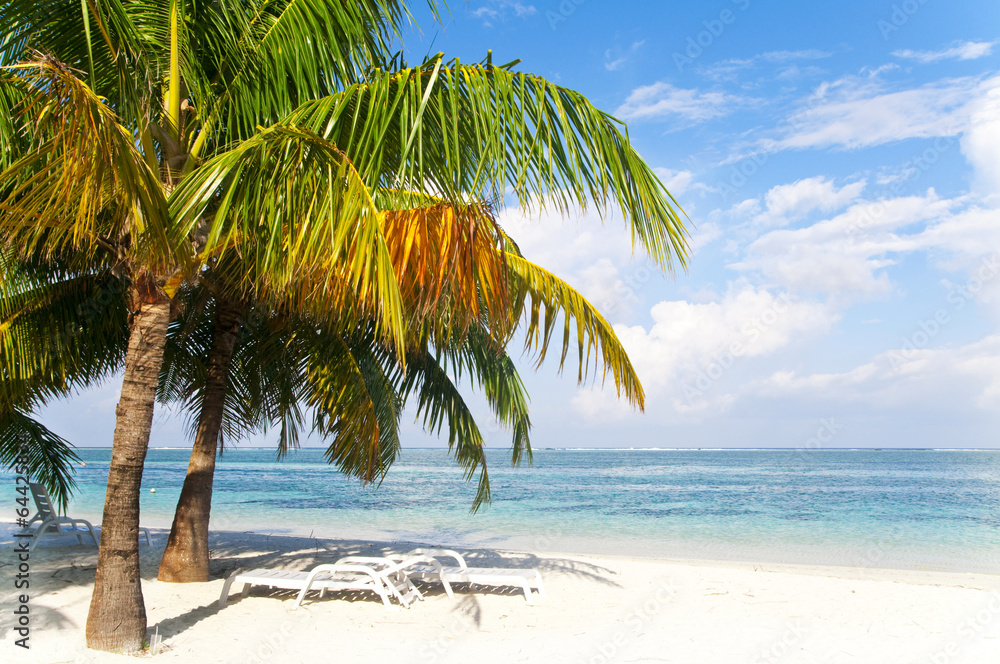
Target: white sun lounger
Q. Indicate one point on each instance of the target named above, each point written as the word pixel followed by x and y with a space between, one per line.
pixel 523 578
pixel 50 523
pixel 383 576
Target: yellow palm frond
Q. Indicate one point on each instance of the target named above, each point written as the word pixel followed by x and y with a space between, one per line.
pixel 82 184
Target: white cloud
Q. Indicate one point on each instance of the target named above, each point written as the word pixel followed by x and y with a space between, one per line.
pixel 616 58
pixel 690 346
pixel 564 244
pixel 704 235
pixel 663 101
pixel 788 202
pixel 946 378
pixel 727 68
pixel 852 114
pixel 684 357
pixel 785 56
pixel 500 9
pixel 844 256
pixel 595 257
pixel 960 51
pixel 614 65
pixel 981 143
pixel 676 182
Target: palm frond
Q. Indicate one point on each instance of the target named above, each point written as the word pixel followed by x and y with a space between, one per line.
pixel 356 405
pixel 439 401
pixel 83 184
pixel 491 369
pixel 536 288
pixel 450 264
pixel 304 225
pixel 49 457
pixel 60 330
pixel 269 56
pixel 471 132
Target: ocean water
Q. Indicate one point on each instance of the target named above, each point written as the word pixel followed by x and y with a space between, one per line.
pixel 910 509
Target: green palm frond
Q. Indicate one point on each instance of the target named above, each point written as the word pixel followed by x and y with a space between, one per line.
pixel 439 402
pixel 596 341
pixel 94 36
pixel 49 457
pixel 12 137
pixel 492 370
pixel 304 224
pixel 60 330
pixel 356 405
pixel 272 55
pixel 473 131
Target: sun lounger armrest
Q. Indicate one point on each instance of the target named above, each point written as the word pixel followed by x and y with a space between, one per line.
pixel 369 560
pixel 440 553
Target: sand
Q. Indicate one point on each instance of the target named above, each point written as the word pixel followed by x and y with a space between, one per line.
pixel 598 610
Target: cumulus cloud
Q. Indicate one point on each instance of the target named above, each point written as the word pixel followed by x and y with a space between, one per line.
pixel 705 234
pixel 594 256
pixel 690 346
pixel 663 101
pixel 788 202
pixel 981 143
pixel 958 51
pixel 844 256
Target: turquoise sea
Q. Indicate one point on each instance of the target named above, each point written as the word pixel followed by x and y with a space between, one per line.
pixel 913 509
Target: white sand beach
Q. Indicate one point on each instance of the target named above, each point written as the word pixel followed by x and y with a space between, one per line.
pixel 598 610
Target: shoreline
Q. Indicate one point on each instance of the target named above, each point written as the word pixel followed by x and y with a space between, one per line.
pixel 599 609
pixel 782 558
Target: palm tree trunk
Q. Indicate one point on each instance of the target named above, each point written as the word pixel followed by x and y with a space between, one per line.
pixel 117 618
pixel 185 559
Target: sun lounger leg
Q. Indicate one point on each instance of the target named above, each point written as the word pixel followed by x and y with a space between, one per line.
pixel 225 590
pixel 302 593
pixel 385 599
pixel 539 585
pixel 37 538
pixel 527 591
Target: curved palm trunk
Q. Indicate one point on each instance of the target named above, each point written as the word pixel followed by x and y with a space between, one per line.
pixel 185 559
pixel 117 618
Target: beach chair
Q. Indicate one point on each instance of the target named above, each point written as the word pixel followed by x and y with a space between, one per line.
pixel 384 576
pixel 50 523
pixel 523 578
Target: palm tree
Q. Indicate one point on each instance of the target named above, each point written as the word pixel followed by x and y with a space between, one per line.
pixel 275 131
pixel 83 185
pixel 282 362
pixel 356 396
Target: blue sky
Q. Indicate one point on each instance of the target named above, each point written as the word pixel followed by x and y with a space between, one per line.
pixel 839 163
